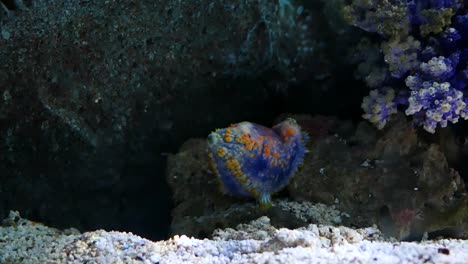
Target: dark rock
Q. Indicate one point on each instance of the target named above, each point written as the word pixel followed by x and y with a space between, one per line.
pixel 394 179
pixel 93 94
pixel 200 207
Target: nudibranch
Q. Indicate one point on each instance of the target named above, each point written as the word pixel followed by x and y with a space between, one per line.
pixel 255 161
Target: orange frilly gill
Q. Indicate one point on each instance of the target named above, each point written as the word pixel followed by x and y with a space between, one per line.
pixel 255 161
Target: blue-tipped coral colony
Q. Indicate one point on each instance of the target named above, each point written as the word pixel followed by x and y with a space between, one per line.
pixel 255 161
pixel 422 66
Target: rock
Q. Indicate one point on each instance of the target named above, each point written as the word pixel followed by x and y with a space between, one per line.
pixel 391 178
pixel 200 207
pixel 94 93
pixel 395 180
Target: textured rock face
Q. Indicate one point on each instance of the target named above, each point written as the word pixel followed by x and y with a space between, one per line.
pixel 93 93
pixel 391 178
pixel 200 206
pixel 194 186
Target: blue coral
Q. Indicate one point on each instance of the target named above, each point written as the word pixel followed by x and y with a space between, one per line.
pixel 439 103
pixel 254 161
pixel 401 56
pixel 384 17
pixel 425 54
pixel 379 106
pixel 391 18
pixel 449 38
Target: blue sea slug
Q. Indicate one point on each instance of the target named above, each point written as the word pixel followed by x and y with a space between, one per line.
pixel 255 161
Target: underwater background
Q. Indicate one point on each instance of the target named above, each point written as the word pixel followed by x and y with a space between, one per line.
pixel 105 107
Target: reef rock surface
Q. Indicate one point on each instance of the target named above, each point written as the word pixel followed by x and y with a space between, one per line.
pixel 392 178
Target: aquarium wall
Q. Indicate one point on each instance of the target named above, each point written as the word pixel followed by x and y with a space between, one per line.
pixel 106 106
